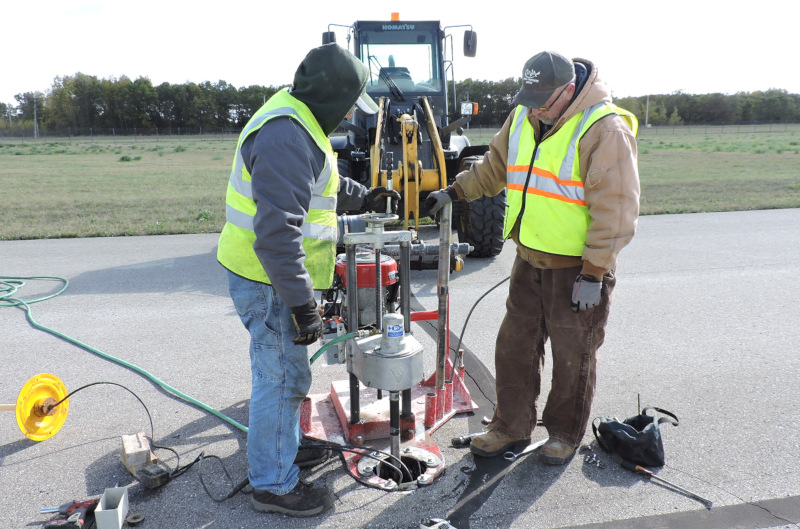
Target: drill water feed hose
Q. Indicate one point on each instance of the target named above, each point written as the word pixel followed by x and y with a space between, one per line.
pixel 332 342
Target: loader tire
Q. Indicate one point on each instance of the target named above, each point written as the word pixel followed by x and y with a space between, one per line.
pixel 480 224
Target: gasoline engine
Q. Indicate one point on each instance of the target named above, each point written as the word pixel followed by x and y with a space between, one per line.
pixel 370 296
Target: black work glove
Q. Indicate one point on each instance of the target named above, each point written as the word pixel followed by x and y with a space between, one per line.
pixel 439 199
pixel 308 323
pixel 586 293
pixel 375 199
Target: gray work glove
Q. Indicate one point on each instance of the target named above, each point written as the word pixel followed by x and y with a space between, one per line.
pixel 439 199
pixel 308 323
pixel 586 293
pixel 375 199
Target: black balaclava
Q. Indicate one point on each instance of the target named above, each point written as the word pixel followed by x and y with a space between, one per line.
pixel 329 81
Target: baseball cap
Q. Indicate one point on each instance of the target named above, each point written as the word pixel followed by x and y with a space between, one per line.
pixel 542 74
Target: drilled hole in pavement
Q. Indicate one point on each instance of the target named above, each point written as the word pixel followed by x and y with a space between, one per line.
pixel 385 470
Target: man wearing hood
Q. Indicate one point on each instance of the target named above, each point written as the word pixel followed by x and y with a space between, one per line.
pixel 567 158
pixel 279 245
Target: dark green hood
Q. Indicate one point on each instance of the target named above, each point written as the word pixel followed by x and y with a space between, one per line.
pixel 329 81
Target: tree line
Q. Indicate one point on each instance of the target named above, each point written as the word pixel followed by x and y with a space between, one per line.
pixel 82 104
pixel 770 106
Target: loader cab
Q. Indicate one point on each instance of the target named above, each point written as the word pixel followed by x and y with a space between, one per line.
pixel 404 58
pixel 406 61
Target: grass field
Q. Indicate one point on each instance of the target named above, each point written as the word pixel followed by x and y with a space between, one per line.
pixel 110 187
pixel 93 187
pixel 717 171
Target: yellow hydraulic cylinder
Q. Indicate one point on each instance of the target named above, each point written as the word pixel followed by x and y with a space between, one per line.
pixel 409 176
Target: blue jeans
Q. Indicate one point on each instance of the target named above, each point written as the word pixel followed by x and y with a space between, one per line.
pixel 281 379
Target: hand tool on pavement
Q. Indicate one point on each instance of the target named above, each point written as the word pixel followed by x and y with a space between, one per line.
pixel 497 477
pixel 436 523
pixel 75 513
pixel 649 475
pixel 464 441
pixel 513 456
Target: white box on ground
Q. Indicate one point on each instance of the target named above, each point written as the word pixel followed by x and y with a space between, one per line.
pixel 112 508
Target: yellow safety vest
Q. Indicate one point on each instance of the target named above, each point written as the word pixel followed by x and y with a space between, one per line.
pixel 549 194
pixel 235 250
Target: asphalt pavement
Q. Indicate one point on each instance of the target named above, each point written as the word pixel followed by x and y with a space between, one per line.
pixel 704 323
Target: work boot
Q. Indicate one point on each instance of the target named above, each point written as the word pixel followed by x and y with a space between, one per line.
pixel 555 452
pixel 494 443
pixel 302 500
pixel 310 457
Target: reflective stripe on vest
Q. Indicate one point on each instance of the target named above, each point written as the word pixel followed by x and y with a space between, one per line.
pixel 320 232
pixel 549 194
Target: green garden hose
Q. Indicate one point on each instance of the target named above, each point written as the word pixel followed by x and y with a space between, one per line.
pixel 333 342
pixel 9 287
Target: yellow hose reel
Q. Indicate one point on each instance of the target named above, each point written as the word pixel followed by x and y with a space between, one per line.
pixel 37 416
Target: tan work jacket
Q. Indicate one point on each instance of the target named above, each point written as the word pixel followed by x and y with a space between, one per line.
pixel 608 167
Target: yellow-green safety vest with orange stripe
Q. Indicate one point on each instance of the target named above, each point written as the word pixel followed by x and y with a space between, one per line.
pixel 320 233
pixel 548 194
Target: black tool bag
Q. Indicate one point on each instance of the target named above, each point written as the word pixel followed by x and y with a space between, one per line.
pixel 636 439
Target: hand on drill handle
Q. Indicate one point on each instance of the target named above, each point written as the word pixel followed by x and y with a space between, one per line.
pixel 439 199
pixel 308 323
pixel 376 199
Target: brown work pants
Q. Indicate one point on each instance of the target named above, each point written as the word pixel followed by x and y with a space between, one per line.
pixel 538 308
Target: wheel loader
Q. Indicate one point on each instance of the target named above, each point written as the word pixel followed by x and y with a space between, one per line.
pixel 415 143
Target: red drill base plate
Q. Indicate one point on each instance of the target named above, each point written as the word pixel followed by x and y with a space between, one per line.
pixel 327 418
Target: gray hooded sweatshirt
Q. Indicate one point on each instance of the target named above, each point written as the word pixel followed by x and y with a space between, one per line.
pixel 284 162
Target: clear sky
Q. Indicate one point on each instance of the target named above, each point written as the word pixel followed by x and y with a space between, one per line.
pixel 640 46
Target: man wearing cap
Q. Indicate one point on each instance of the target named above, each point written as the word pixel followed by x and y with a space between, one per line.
pixel 567 158
pixel 279 245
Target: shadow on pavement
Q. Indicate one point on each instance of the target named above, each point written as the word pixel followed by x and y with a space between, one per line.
pixel 220 472
pixel 529 475
pixel 196 273
pixel 14 447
